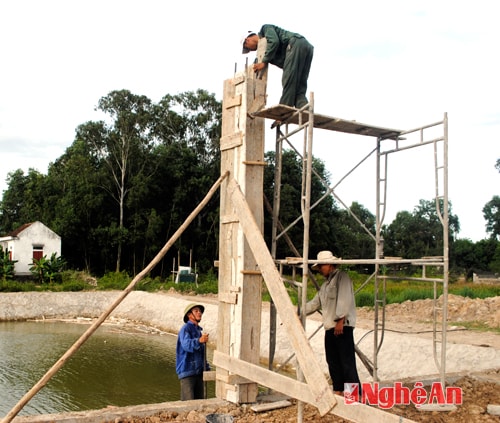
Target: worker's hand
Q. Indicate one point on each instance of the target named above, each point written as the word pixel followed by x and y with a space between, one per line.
pixel 259 66
pixel 204 338
pixel 339 327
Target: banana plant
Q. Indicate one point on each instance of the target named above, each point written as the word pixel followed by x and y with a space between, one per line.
pixel 6 265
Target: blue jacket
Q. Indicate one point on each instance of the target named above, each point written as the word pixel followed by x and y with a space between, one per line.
pixel 190 354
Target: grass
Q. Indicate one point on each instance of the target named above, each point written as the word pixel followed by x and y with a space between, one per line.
pixel 477 326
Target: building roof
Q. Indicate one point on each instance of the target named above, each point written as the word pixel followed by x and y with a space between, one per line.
pixel 21 228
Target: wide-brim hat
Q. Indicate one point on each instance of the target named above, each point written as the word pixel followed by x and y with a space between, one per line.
pixel 324 257
pixel 243 39
pixel 189 308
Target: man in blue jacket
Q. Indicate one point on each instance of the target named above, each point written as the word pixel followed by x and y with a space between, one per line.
pixel 288 51
pixel 190 354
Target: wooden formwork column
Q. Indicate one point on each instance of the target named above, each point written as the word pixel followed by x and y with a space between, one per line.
pixel 240 281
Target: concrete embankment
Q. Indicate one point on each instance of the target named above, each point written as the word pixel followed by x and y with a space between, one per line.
pixel 163 311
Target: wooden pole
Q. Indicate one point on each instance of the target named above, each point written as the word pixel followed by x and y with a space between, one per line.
pixel 322 392
pixel 57 366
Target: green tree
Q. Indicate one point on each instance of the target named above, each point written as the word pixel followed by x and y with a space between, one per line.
pixel 166 155
pixel 358 232
pixel 485 251
pixel 193 120
pixel 463 258
pixel 418 234
pixel 398 238
pixel 323 232
pixel 495 261
pixel 121 145
pixel 79 205
pixel 188 129
pixel 23 201
pixel 491 213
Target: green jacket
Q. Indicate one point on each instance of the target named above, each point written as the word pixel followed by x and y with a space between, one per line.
pixel 277 43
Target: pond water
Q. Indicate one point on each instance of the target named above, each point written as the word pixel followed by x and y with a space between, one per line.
pixel 114 367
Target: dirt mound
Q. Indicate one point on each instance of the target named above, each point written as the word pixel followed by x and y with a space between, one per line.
pixel 460 310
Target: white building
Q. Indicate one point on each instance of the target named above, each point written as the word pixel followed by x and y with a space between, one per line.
pixel 30 241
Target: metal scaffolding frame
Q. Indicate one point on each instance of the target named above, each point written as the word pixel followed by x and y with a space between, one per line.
pixel 291 122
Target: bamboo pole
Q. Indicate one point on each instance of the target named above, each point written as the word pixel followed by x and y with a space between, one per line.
pixel 57 366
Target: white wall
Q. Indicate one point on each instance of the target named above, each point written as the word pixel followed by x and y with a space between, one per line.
pixel 37 234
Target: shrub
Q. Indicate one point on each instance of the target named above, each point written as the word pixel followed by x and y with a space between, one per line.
pixel 16 286
pixel 364 299
pixel 113 280
pixel 75 286
pixel 6 265
pixel 208 287
pixel 467 292
pixel 411 294
pixel 150 285
pixel 48 270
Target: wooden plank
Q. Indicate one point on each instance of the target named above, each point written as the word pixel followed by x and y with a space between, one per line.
pixel 358 413
pixel 265 377
pixel 288 114
pixel 266 406
pixel 228 298
pixel 229 218
pixel 261 51
pixel 233 101
pixel 233 379
pixel 252 272
pixel 231 141
pixel 254 163
pixel 246 327
pixel 238 79
pixel 323 394
pixel 209 375
pixel 242 140
pixel 298 261
pixel 226 229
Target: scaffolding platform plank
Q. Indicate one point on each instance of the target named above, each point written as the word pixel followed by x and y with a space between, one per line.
pixel 288 114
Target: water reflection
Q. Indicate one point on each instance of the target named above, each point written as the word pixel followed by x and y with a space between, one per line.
pixel 114 367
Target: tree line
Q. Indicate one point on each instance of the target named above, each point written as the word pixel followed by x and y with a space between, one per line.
pixel 127 182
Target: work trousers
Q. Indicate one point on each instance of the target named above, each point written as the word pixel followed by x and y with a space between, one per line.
pixel 192 388
pixel 296 68
pixel 341 358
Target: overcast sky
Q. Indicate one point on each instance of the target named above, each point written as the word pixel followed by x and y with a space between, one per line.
pixel 396 64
